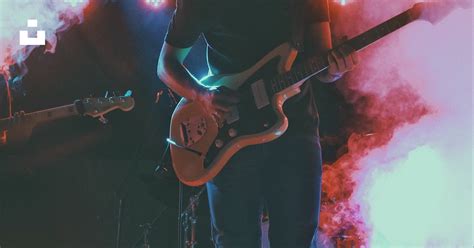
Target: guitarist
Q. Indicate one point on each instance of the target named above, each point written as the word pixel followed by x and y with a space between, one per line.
pixel 285 173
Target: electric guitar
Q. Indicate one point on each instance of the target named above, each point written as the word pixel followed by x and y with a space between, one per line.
pixel 17 130
pixel 201 146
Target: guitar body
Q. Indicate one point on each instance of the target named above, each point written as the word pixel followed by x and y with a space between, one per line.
pixel 201 147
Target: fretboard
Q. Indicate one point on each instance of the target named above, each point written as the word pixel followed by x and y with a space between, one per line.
pixel 43 116
pixel 54 113
pixel 315 65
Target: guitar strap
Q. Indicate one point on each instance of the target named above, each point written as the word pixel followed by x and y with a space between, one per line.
pixel 297 24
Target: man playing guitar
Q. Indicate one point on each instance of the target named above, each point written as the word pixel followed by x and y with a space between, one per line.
pixel 285 173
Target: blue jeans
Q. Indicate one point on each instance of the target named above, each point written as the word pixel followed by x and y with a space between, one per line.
pixel 286 174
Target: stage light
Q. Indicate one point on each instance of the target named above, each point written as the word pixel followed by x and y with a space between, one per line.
pixel 155 3
pixel 3 137
pixel 342 2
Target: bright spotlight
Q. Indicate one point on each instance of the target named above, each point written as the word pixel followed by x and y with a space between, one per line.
pixel 155 3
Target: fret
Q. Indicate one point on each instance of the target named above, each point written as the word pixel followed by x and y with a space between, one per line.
pixel 384 29
pixel 316 63
pixel 282 82
pixel 319 64
pixel 54 113
pixel 275 86
pixel 397 24
pixel 312 63
pixel 295 75
pixel 306 69
pixel 393 24
pixel 299 71
pixel 377 32
pixel 289 78
pixel 272 86
pixel 279 85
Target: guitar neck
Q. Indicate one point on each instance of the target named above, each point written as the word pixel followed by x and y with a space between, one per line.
pixel 315 65
pixel 43 116
pixel 54 113
pixel 376 33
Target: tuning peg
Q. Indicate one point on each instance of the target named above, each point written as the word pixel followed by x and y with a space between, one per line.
pixel 19 114
pixel 128 93
pixel 106 94
pixel 103 120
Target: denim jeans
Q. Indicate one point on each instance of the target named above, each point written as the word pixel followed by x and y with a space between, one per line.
pixel 286 175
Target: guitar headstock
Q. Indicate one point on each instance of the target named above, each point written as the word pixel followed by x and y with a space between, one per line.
pixel 435 11
pixel 97 107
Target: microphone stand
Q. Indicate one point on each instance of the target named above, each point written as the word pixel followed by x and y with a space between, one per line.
pixel 187 218
pixel 161 168
pixel 190 220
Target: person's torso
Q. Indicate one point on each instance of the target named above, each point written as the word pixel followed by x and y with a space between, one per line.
pixel 240 33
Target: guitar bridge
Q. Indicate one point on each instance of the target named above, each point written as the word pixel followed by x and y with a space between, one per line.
pixel 193 130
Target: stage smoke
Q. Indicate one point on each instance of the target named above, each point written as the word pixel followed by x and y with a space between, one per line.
pixel 408 172
pixel 53 16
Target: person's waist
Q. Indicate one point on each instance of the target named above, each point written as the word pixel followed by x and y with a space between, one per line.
pixel 305 126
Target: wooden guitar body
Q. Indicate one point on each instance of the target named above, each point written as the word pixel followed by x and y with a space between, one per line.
pixel 200 147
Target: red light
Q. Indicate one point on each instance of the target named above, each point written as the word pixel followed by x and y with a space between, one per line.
pixel 3 137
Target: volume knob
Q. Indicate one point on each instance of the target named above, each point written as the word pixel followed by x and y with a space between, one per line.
pixel 232 132
pixel 219 143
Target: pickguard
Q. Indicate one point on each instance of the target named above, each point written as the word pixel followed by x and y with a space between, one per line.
pixel 252 118
pixel 192 130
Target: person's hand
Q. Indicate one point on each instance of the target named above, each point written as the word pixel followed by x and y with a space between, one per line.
pixel 218 102
pixel 17 130
pixel 341 60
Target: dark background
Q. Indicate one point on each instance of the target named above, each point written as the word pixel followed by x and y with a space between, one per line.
pixel 62 188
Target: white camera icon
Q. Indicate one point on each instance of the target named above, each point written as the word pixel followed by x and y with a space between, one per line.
pixel 39 40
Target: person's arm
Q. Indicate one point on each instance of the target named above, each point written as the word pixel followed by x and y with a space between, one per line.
pixel 174 74
pixel 185 27
pixel 341 60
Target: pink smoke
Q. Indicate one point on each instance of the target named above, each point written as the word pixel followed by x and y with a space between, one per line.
pixel 53 16
pixel 411 178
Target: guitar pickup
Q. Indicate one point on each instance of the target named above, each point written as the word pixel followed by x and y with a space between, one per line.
pixel 260 94
pixel 233 115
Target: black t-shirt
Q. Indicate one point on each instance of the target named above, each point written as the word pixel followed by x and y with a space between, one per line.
pixel 240 32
